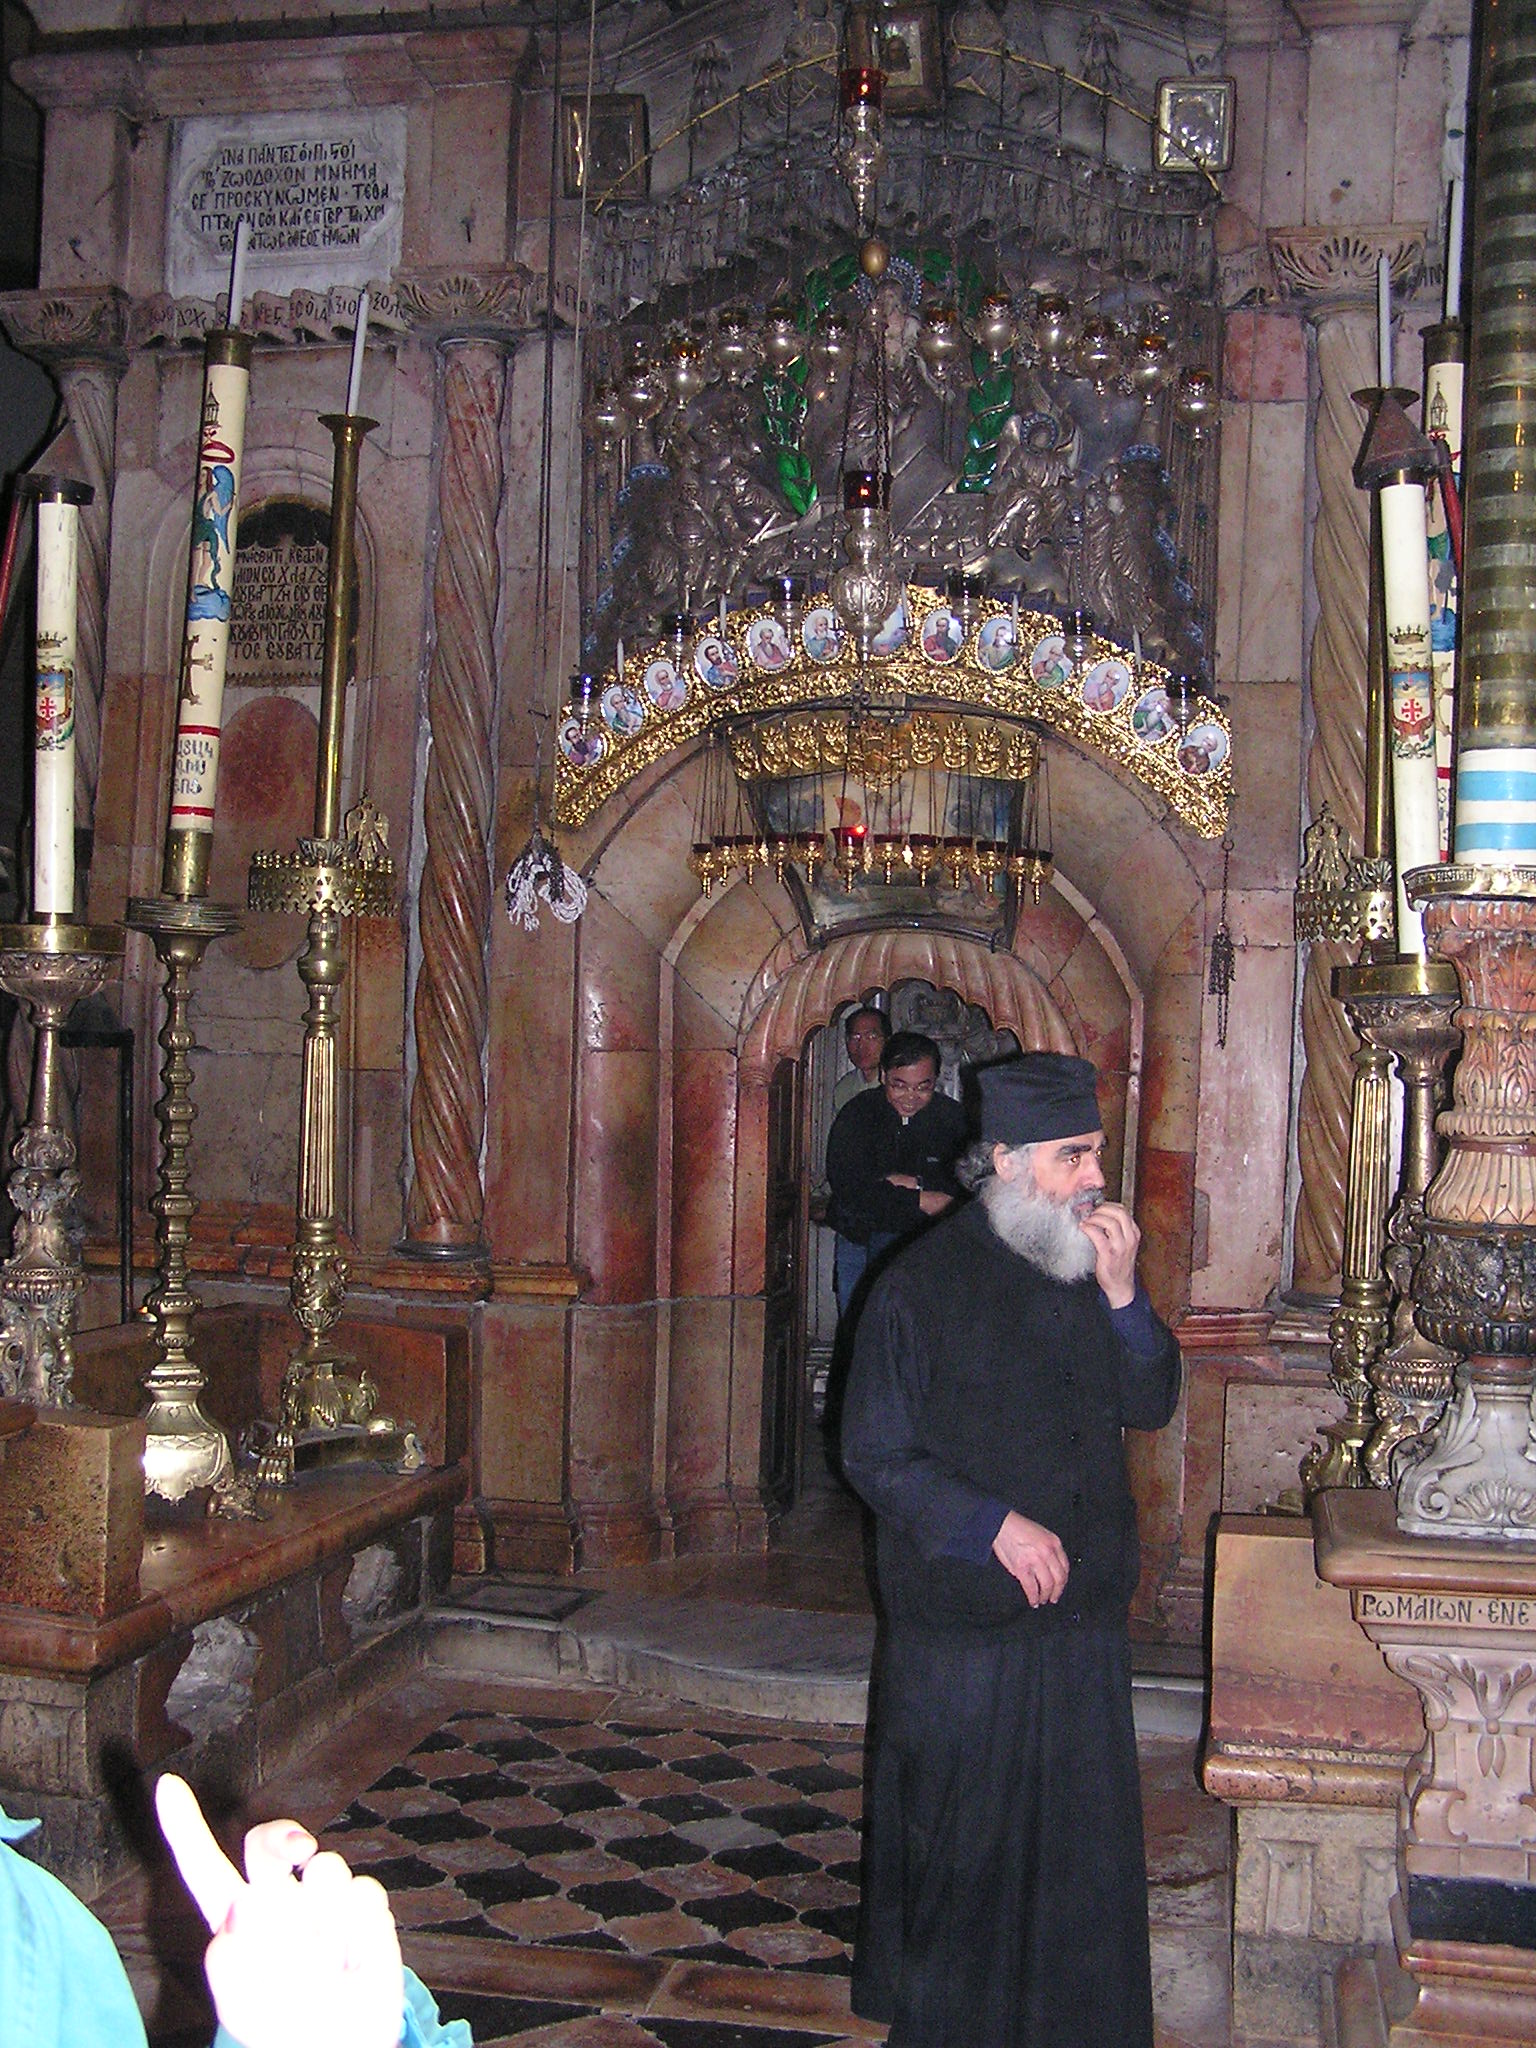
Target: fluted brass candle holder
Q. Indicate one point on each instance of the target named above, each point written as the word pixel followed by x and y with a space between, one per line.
pixel 48 967
pixel 326 1414
pixel 183 1451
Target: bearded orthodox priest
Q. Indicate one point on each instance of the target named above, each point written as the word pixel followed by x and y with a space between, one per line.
pixel 996 1364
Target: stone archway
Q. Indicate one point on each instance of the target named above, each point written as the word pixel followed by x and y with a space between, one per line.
pixel 683 1006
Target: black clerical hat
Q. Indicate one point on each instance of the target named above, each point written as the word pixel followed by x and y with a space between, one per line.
pixel 1037 1097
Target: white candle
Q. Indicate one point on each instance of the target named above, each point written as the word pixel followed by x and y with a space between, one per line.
pixel 1136 645
pixel 53 810
pixel 1410 698
pixel 1015 611
pixel 237 273
pixel 618 659
pixel 211 582
pixel 1384 322
pixel 722 611
pixel 1453 249
pixel 359 343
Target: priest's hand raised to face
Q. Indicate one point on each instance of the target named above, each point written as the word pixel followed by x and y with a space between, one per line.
pixel 1115 1239
pixel 1034 1556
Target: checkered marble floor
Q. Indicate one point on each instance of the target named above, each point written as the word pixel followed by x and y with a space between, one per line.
pixel 703 1843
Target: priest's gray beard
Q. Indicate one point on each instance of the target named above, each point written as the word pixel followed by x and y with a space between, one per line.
pixel 1047 1233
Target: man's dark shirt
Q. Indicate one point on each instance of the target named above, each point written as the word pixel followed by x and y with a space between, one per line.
pixel 869 1140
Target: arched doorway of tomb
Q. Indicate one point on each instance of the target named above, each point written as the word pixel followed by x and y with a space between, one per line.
pixel 686 1004
pixel 965 1037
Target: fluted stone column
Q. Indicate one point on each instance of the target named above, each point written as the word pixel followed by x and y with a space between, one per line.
pixel 78 336
pixel 1333 272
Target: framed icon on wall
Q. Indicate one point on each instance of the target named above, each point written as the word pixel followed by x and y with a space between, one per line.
pixel 606 141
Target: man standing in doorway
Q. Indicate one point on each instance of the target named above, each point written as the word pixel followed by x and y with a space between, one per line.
pixel 865 1031
pixel 996 1362
pixel 890 1158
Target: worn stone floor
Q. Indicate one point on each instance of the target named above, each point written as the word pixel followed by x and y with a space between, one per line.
pixel 578 1866
pixel 585 1869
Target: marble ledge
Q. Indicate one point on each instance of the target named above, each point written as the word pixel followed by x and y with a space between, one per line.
pixel 194 1572
pixel 256 1253
pixel 1264 1777
pixel 1359 1546
pixel 1244 1330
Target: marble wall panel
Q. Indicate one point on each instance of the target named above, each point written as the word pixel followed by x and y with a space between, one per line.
pixel 1170 1083
pixel 1147 897
pixel 703 1171
pixel 1165 1188
pixel 747 1336
pixel 522 1403
pixel 472 135
pixel 617 997
pixel 376 1152
pixel 266 800
pixel 87 208
pixel 1244 1111
pixel 750 1246
pixel 644 868
pixel 1095 817
pixel 611 1425
pixel 1232 548
pixel 1046 934
pixel 723 954
pixel 1098 995
pixel 1352 83
pixel 695 1025
pixel 699 1403
pixel 1264 357
pixel 376 990
pixel 1266 730
pixel 528 1092
pixel 1261 573
pixel 1431 96
pixel 615 1176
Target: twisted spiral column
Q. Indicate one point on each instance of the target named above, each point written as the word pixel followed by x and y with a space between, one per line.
pixel 446 1201
pixel 1335 776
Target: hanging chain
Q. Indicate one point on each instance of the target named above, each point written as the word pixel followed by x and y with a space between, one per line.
pixel 1223 969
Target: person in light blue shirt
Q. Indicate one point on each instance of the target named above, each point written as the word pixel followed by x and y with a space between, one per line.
pixel 303 1954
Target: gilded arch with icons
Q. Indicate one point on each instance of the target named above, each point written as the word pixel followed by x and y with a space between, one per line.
pixel 1005 665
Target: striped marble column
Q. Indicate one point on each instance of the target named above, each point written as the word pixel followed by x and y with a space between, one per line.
pixel 1496 715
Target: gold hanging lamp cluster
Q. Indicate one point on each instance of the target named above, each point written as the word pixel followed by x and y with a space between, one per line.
pixel 869 798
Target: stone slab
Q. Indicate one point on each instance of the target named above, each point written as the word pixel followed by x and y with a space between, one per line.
pixel 72 1515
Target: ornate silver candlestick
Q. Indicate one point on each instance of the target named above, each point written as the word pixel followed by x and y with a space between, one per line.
pixel 325 1414
pixel 48 967
pixel 183 1450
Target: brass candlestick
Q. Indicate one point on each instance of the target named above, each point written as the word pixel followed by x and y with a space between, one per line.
pixel 183 1449
pixel 325 1413
pixel 48 967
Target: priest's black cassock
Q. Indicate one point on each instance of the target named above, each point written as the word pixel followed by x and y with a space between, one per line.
pixel 1004 1901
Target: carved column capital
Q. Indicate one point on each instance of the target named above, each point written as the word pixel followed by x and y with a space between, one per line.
pixel 1333 269
pixel 449 304
pixel 79 324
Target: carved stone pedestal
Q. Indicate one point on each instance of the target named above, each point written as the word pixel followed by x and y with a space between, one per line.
pixel 1457 1620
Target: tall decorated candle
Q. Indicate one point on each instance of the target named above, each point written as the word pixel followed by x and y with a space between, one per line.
pixel 210 589
pixel 1444 379
pixel 1410 701
pixel 53 811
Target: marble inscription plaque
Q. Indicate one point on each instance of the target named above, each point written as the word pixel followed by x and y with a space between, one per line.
pixel 277 618
pixel 323 193
pixel 1448 1610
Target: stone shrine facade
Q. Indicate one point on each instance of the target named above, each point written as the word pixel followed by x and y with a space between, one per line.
pixel 569 1139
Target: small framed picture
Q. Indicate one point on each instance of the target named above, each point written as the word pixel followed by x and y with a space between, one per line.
pixel 909 51
pixel 611 150
pixel 1193 131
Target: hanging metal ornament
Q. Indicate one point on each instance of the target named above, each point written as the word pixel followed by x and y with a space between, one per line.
pixel 860 150
pixel 1223 968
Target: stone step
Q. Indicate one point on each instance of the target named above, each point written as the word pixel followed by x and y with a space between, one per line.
pixel 784 1664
